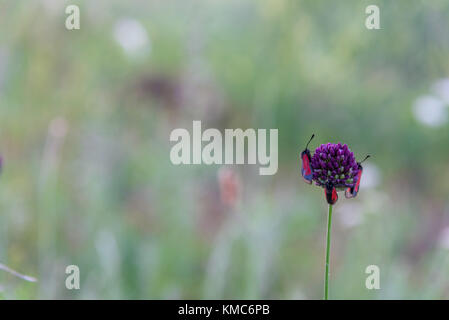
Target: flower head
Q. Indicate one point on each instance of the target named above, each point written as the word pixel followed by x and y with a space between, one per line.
pixel 334 164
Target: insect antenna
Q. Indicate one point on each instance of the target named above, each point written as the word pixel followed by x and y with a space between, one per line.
pixel 365 158
pixel 313 135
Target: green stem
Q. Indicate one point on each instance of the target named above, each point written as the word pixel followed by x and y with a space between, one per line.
pixel 328 246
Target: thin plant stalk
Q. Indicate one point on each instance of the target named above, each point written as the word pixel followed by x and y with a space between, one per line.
pixel 17 274
pixel 328 246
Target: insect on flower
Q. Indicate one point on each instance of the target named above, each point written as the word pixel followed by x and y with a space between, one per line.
pixel 331 193
pixel 352 192
pixel 334 168
pixel 306 170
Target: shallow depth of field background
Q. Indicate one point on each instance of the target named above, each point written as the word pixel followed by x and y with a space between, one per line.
pixel 85 119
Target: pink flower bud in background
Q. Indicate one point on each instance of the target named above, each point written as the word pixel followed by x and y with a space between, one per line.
pixel 229 183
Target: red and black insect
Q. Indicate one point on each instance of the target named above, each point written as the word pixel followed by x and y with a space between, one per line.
pixel 306 169
pixel 331 193
pixel 352 192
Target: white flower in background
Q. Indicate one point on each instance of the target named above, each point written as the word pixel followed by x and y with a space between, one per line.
pixel 371 176
pixel 441 89
pixel 430 111
pixel 376 202
pixel 350 214
pixel 444 238
pixel 132 37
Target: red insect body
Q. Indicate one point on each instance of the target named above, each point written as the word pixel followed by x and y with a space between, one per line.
pixel 359 177
pixel 306 165
pixel 352 192
pixel 331 194
pixel 306 169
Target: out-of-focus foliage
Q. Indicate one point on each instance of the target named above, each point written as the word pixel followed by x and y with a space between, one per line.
pixel 85 118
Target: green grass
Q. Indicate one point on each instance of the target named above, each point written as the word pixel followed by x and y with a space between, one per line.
pixel 85 140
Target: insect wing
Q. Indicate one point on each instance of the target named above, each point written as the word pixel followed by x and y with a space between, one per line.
pixel 353 191
pixel 306 169
pixel 331 194
pixel 349 193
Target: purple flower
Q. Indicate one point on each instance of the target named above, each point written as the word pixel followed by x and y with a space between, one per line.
pixel 334 164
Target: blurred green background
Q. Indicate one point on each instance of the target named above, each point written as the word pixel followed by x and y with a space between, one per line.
pixel 87 180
